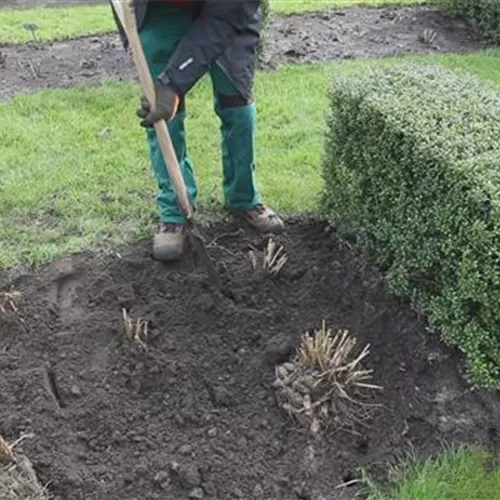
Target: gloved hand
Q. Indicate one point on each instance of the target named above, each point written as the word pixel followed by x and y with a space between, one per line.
pixel 167 103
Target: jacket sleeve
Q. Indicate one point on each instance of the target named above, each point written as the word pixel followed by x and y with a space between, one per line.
pixel 216 28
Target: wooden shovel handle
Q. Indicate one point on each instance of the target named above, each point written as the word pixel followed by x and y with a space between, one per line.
pixel 126 13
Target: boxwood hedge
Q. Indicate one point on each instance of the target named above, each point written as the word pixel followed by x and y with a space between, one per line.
pixel 412 169
pixel 484 15
pixel 265 11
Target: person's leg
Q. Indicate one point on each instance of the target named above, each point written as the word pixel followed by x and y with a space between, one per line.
pixel 238 128
pixel 163 28
pixel 238 124
pixel 167 201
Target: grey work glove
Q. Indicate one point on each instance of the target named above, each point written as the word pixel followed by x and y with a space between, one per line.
pixel 167 104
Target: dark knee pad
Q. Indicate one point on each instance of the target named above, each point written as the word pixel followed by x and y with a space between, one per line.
pixel 225 101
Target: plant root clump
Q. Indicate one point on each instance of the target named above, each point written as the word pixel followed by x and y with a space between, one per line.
pixel 325 386
pixel 18 480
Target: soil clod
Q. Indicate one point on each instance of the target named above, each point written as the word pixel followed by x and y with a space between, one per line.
pixel 52 387
pixel 196 494
pixel 188 475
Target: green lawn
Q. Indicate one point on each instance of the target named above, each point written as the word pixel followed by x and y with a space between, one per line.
pixel 74 171
pixel 65 150
pixel 55 23
pixel 461 474
pixel 64 22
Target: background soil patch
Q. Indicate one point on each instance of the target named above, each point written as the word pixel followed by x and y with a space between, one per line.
pixel 316 37
pixel 366 32
pixel 195 415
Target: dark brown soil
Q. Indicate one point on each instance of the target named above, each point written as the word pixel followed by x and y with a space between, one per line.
pixel 318 37
pixel 363 33
pixel 195 415
pixel 31 67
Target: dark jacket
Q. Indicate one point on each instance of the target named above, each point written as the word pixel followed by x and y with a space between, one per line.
pixel 225 32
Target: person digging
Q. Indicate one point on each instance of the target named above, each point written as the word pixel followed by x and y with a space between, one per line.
pixel 182 41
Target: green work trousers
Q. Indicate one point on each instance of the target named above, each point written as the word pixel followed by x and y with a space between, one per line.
pixel 164 27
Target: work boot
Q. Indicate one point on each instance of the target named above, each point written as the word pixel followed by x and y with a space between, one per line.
pixel 168 242
pixel 261 218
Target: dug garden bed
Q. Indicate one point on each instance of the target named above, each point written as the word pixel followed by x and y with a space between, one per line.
pixel 191 412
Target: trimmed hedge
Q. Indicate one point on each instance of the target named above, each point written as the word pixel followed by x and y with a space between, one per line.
pixel 265 11
pixel 484 15
pixel 412 169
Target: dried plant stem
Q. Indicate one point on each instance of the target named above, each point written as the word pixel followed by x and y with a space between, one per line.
pixel 273 258
pixel 136 332
pixel 6 455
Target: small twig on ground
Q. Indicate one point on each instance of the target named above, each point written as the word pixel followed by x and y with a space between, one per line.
pixel 6 455
pixel 10 300
pixel 234 234
pixel 223 249
pixel 136 332
pixel 214 243
pixel 428 36
pixel 10 303
pixel 22 438
pixel 347 484
pixel 253 259
pixel 272 261
pixel 274 258
pixel 35 69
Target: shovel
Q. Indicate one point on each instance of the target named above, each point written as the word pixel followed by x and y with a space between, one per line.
pixel 126 14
